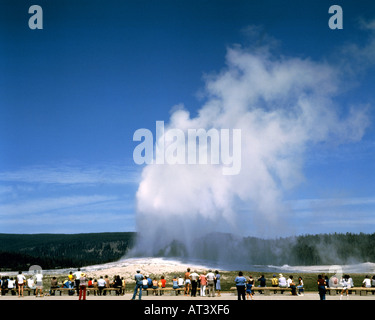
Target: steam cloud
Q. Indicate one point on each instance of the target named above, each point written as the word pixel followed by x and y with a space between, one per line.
pixel 283 105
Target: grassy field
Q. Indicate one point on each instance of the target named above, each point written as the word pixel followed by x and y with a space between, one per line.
pixel 227 279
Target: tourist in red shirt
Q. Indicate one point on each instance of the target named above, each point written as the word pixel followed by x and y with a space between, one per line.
pixel 203 280
pixel 163 282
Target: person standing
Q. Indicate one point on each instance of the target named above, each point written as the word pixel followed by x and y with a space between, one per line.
pixel 249 287
pixel 187 282
pixel 138 284
pixel 203 282
pixel 76 276
pixel 211 283
pixel 194 283
pixel 39 283
pixel 20 281
pixel 240 285
pixel 217 284
pixel 82 286
pixel 321 287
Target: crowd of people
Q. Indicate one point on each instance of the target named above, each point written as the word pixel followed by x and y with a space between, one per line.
pixel 18 283
pixel 245 286
pixel 344 284
pixel 78 282
pixel 190 283
pixel 206 283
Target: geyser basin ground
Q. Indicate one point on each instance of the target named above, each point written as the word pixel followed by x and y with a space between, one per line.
pixel 158 266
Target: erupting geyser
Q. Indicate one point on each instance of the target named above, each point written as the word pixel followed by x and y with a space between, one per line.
pixel 282 106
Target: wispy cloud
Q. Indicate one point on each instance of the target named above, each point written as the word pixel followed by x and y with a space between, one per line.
pixel 65 174
pixel 69 222
pixel 51 204
pixel 308 204
pixel 46 198
pixel 358 58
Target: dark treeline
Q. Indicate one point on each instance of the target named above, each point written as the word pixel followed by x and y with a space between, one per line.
pixel 321 249
pixel 315 249
pixel 19 251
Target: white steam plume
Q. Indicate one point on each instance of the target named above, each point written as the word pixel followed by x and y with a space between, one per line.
pixel 283 106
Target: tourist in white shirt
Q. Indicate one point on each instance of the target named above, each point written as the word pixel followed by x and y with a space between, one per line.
pixel 289 281
pixel 39 283
pixel 282 281
pixel 300 287
pixel 20 281
pixel 11 283
pixel 77 275
pixel 211 283
pixel 31 283
pixel 101 285
pixel 194 276
pixel 351 282
pixel 346 283
pixel 180 282
pixel 367 282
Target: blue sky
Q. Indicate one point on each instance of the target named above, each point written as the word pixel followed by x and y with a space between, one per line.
pixel 73 94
